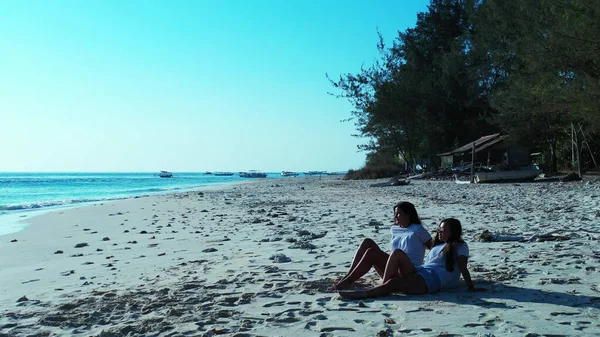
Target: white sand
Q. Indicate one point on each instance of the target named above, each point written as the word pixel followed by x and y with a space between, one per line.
pixel 164 283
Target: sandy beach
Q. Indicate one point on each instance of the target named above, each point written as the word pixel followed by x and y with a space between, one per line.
pixel 258 258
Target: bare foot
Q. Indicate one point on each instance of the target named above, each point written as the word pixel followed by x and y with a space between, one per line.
pixel 342 284
pixel 353 294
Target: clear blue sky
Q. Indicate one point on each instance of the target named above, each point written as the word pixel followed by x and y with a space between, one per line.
pixel 184 85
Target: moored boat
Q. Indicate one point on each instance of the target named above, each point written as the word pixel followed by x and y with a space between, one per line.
pixel 315 173
pixel 223 174
pixel 289 174
pixel 524 173
pixel 165 174
pixel 253 174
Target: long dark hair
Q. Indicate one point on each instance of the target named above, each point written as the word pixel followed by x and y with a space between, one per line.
pixel 408 208
pixel 455 228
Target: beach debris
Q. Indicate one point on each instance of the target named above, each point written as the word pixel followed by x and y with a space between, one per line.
pixel 106 238
pixel 302 245
pixel 376 224
pixel 573 280
pixel 306 235
pixel 392 182
pixel 386 333
pixel 58 252
pixel 215 331
pixel 67 273
pixel 23 299
pixel 570 177
pixel 81 245
pixel 13 240
pixel 331 329
pixel 487 236
pixel 209 250
pixel 280 258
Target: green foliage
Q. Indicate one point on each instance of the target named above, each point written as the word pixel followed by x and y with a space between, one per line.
pixel 378 165
pixel 470 68
pixel 373 172
pixel 550 68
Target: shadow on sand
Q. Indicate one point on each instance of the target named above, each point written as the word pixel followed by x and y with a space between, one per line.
pixel 496 293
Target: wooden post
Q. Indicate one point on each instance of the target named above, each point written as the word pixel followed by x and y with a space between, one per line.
pixel 572 147
pixel 585 142
pixel 473 163
pixel 577 151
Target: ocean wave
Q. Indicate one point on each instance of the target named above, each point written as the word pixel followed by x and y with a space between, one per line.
pixel 43 204
pixel 120 195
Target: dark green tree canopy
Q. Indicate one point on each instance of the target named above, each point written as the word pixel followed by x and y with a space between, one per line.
pixel 470 68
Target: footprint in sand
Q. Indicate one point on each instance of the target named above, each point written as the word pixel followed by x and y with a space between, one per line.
pixel 419 309
pixel 330 329
pixel 279 303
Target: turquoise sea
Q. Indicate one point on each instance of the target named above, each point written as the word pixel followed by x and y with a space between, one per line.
pixel 22 194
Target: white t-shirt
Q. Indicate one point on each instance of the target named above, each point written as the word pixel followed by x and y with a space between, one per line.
pixel 411 240
pixel 436 260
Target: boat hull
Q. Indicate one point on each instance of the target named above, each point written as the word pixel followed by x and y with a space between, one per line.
pixel 506 176
pixel 252 175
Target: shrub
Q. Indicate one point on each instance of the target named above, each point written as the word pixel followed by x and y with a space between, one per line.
pixel 374 172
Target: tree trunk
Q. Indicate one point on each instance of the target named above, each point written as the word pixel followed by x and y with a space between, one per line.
pixel 552 147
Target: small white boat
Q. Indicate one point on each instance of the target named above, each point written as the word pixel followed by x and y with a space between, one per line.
pixel 289 174
pixel 165 174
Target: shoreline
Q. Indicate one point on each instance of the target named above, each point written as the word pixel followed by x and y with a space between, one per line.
pixel 17 219
pixel 257 259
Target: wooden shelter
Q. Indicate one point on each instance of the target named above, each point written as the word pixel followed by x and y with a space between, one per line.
pixel 488 150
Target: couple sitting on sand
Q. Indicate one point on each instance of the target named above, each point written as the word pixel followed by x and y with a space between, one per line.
pixel 403 270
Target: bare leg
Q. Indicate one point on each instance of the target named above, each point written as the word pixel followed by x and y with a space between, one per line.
pixel 372 257
pixel 398 265
pixel 412 285
pixel 360 252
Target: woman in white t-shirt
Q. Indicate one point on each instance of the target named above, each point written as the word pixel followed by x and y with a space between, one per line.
pixel 443 266
pixel 408 235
